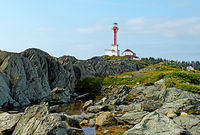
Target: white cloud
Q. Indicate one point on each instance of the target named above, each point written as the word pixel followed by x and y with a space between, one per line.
pixel 169 28
pixel 92 29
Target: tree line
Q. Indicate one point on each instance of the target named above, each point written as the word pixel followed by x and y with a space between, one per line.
pixel 184 64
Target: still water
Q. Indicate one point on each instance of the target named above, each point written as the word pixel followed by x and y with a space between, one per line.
pixel 75 109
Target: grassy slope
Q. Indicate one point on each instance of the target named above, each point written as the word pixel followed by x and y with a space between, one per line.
pixel 175 77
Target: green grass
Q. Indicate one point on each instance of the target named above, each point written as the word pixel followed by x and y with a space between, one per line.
pixel 184 76
pixel 166 67
pixel 175 77
pixel 140 62
pixel 117 80
pixel 183 80
pixel 119 133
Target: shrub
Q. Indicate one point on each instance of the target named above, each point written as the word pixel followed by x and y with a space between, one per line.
pixel 90 85
pixel 187 77
pixel 140 62
pixel 184 81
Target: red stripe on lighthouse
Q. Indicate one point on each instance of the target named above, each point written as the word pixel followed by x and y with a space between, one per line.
pixel 115 29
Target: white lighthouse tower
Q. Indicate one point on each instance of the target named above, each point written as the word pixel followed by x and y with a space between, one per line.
pixel 114 51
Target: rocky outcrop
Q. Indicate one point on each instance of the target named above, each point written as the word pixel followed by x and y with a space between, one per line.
pixel 87 104
pixel 150 110
pixel 8 122
pixel 30 76
pixel 98 66
pixel 190 106
pixel 58 96
pixel 106 118
pixel 37 120
pixel 5 96
pixel 133 118
pixel 190 122
pixel 117 96
pixel 156 124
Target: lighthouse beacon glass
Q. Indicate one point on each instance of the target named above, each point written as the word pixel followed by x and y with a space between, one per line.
pixel 115 24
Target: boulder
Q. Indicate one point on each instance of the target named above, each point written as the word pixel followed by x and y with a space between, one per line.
pixel 117 95
pixel 90 115
pixel 98 108
pixel 105 119
pixel 58 96
pixel 171 114
pixel 84 122
pixel 173 94
pixel 150 105
pixel 190 106
pixel 156 124
pixel 190 122
pixel 134 107
pixel 133 118
pixel 77 117
pixel 153 92
pixel 8 122
pixel 160 82
pixel 87 104
pixel 92 122
pixel 37 120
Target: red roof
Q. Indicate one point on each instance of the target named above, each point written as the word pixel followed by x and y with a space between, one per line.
pixel 128 50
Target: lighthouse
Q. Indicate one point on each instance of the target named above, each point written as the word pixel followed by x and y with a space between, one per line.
pixel 115 29
pixel 114 51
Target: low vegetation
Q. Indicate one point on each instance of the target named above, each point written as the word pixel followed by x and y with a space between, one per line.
pixel 173 74
pixel 90 85
pixel 183 80
pixel 115 58
pixel 126 58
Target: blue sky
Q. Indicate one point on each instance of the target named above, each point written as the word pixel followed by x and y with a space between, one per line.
pixel 159 28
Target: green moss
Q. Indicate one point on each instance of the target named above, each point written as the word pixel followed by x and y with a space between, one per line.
pixel 174 77
pixel 184 81
pixel 126 74
pixel 129 98
pixel 188 87
pixel 119 133
pixel 187 77
pixel 166 67
pixel 139 62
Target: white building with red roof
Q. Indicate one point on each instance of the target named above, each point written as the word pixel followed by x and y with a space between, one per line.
pixel 130 54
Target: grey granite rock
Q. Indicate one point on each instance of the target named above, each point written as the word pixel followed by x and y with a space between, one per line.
pixel 8 122
pixel 133 118
pixel 156 124
pixel 37 120
pixel 190 122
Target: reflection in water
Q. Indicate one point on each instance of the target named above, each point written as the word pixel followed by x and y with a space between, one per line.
pixel 75 109
pixel 89 130
pixel 71 109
